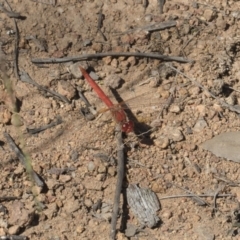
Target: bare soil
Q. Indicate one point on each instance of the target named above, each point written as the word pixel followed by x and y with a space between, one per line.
pixel 76 158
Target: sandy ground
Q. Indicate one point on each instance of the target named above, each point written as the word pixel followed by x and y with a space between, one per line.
pixel 75 159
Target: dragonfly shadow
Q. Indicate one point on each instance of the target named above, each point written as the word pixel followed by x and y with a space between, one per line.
pixel 142 130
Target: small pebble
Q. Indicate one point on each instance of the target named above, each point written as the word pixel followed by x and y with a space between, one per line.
pixel 80 229
pixel 101 169
pixel 66 89
pixel 176 135
pixel 200 125
pixel 88 202
pixel 113 81
pixel 174 109
pixel 167 214
pixel 94 76
pixel 148 18
pixel 162 142
pixel 74 69
pixel 65 178
pixel 91 166
pixel 209 14
pixel 87 42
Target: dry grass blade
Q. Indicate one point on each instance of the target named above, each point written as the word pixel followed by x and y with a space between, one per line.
pixel 120 176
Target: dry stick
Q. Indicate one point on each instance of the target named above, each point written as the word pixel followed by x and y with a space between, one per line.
pixel 193 195
pixel 112 54
pixel 100 22
pixel 215 198
pixel 16 70
pixel 223 103
pixel 13 237
pixel 161 4
pixel 6 198
pixel 201 201
pixel 120 176
pixel 151 28
pixel 23 160
pixel 43 128
pixel 26 78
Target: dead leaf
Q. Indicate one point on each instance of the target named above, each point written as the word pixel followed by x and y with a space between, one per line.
pixel 225 145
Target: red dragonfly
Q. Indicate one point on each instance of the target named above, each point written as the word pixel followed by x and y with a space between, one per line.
pixel 117 112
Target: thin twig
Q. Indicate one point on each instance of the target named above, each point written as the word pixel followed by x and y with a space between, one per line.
pixel 152 27
pixel 16 70
pixel 223 103
pixel 42 128
pixel 196 197
pixel 10 14
pixel 6 198
pixel 193 195
pixel 100 22
pixel 215 198
pixel 161 4
pixel 13 237
pixel 23 159
pixel 24 77
pixel 120 176
pixel 113 54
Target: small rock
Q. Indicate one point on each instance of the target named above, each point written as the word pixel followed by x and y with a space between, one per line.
pixel 167 214
pixel 114 63
pixel 195 90
pixel 65 178
pixel 101 169
pixel 158 187
pixel 162 142
pixel 221 23
pixel 91 166
pixel 88 202
pixel 87 42
pixel 51 210
pixel 100 177
pixel 236 14
pixel 209 14
pixel 201 109
pixel 131 230
pixel 80 229
pixel 169 177
pixel 176 135
pixel 19 170
pixel 19 215
pixel 13 230
pixel 66 89
pixel 3 223
pixel 106 216
pixel 107 60
pixel 74 155
pixel 148 18
pixel 3 231
pixel 174 109
pixel 97 47
pixel 112 171
pixel 93 75
pixel 132 61
pixel 200 125
pixel 36 190
pixel 71 205
pixel 51 183
pixel 75 71
pixel 113 81
pixel 5 115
